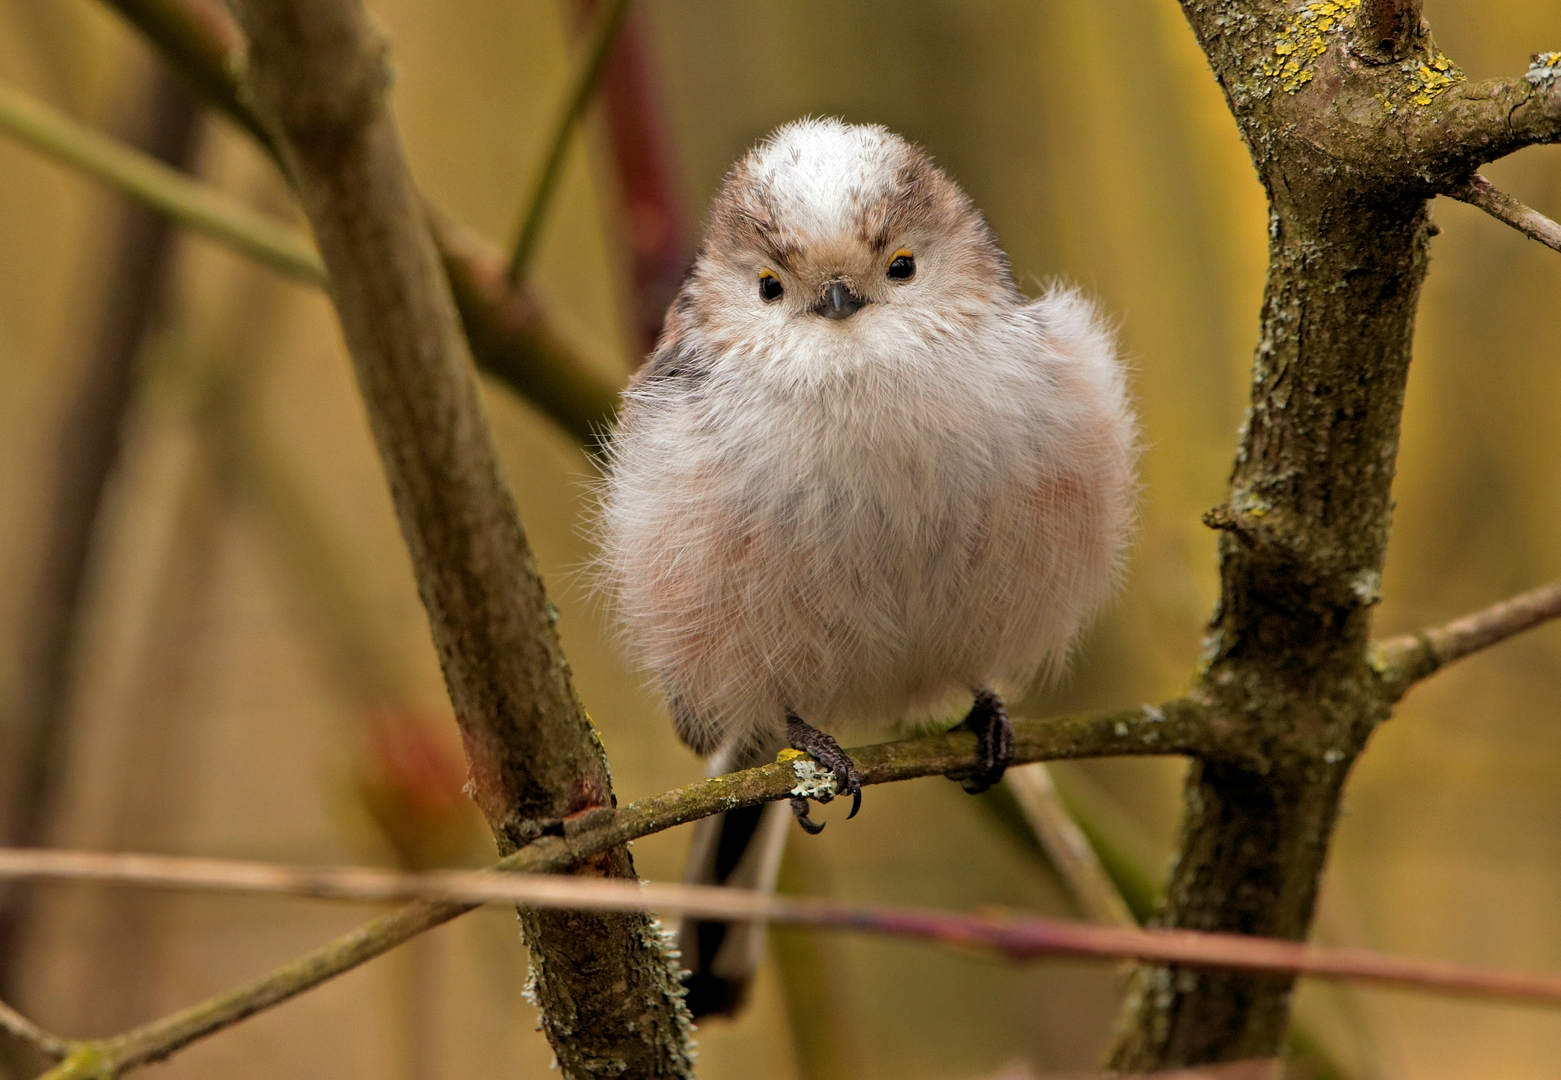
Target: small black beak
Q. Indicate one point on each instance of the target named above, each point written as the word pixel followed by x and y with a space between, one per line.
pixel 839 301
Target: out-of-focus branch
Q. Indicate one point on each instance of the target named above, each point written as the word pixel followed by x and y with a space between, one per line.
pixel 1066 846
pixel 514 342
pixel 507 330
pixel 1478 191
pixel 605 984
pixel 193 204
pixel 139 253
pixel 609 19
pixel 199 41
pixel 586 835
pixel 24 1029
pixel 1402 661
pixel 510 337
pixel 821 1012
pixel 1019 937
pixel 655 220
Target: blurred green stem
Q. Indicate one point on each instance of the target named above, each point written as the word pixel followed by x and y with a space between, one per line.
pixel 824 1028
pixel 1110 834
pixel 510 336
pixel 193 204
pixel 609 17
pixel 1066 846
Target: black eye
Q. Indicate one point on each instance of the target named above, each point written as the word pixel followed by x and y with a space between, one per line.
pixel 770 287
pixel 903 266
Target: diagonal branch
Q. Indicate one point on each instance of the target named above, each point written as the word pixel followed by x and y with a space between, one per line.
pixel 1476 122
pixel 1176 727
pixel 1402 661
pixel 200 42
pixel 510 337
pixel 1016 936
pixel 606 987
pixel 24 1029
pixel 582 87
pixel 193 204
pixel 1066 846
pixel 1478 191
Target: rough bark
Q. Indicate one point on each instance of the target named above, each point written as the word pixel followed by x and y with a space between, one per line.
pixel 609 996
pixel 1354 119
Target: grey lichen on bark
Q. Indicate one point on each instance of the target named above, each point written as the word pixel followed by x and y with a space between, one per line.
pixel 608 991
pixel 1353 119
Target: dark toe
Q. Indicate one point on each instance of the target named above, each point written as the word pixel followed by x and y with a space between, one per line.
pixel 994 747
pixel 799 806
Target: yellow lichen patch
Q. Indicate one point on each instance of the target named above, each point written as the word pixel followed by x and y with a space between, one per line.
pixel 1429 78
pixel 1304 40
pixel 1432 78
pixel 789 755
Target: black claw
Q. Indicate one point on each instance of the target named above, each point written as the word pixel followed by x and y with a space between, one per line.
pixel 799 806
pixel 995 734
pixel 826 751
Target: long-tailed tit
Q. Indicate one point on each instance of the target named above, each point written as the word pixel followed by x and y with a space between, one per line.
pixel 861 473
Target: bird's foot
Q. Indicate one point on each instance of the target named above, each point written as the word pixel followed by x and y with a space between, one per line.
pixel 826 751
pixel 989 720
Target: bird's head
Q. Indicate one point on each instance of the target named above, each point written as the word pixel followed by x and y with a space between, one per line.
pixel 827 231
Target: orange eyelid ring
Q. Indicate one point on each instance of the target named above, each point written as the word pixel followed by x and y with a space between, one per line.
pixel 903 253
pixel 766 273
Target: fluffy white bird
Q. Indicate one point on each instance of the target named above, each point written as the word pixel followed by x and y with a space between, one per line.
pixel 861 473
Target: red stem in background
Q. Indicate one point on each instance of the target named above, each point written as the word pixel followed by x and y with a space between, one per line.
pixel 645 170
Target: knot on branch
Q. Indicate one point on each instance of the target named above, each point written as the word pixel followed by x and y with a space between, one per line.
pixel 1245 523
pixel 318 77
pixel 1388 30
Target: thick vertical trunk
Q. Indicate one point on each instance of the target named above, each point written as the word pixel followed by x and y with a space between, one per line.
pixel 1305 531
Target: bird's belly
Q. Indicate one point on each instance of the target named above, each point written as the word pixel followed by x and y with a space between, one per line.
pixel 849 581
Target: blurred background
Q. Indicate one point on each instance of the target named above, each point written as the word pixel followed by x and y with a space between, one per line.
pixel 249 674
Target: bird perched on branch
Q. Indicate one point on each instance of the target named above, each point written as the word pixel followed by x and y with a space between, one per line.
pixel 861 473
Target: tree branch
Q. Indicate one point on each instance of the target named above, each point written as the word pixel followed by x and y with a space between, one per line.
pixel 606 986
pixel 199 41
pixel 582 87
pixel 197 206
pixel 1066 846
pixel 1389 28
pixel 1176 727
pixel 1475 123
pixel 1018 937
pixel 1478 191
pixel 508 332
pixel 24 1029
pixel 1402 661
pixel 510 337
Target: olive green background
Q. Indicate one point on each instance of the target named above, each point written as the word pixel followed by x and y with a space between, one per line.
pixel 209 718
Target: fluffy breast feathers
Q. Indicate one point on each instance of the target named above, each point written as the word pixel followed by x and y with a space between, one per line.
pixel 853 518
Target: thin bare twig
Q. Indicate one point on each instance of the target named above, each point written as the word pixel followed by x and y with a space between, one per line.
pixel 1404 660
pixel 1066 845
pixel 22 1028
pixel 1480 192
pixel 608 20
pixel 1175 727
pixel 1019 937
